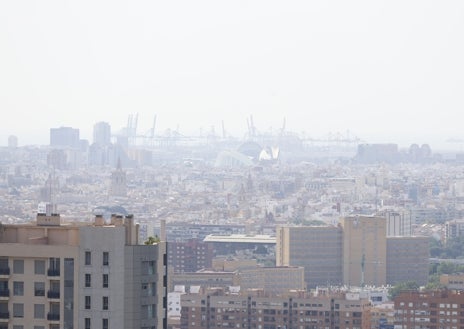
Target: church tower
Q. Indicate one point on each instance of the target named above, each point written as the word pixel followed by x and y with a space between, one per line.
pixel 118 182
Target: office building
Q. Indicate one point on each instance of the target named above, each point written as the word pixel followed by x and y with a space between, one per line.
pixel 408 259
pixel 12 142
pixel 364 250
pixel 102 133
pixel 318 249
pixel 64 137
pixel 80 275
pixel 398 223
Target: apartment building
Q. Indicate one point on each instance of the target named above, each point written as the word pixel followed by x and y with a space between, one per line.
pixel 216 308
pixel 440 309
pixel 190 256
pixel 80 275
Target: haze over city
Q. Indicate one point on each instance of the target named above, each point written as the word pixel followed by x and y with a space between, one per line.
pixel 387 71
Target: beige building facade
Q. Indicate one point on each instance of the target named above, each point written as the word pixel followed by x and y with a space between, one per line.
pixel 364 250
pixel 76 275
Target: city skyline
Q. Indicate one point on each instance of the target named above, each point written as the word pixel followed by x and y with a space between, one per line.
pixel 385 71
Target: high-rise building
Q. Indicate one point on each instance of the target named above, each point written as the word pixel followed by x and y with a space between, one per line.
pixel 12 142
pixel 398 223
pixel 64 137
pixel 408 259
pixel 316 248
pixel 102 133
pixel 80 275
pixel 364 250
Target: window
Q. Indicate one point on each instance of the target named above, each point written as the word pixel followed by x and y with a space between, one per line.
pixel 18 288
pixel 18 266
pixel 105 324
pixel 151 267
pixel 87 323
pixel 39 311
pixel 105 280
pixel 54 266
pixel 88 280
pixel 39 327
pixel 39 288
pixel 105 303
pixel 88 302
pixel 39 267
pixel 106 258
pixel 18 310
pixel 18 326
pixel 88 258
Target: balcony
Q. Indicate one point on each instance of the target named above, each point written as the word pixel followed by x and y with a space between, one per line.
pixel 53 316
pixel 52 294
pixel 4 315
pixel 5 271
pixel 53 272
pixel 5 293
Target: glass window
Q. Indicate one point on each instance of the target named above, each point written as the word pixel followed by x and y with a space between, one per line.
pixel 151 267
pixel 18 266
pixel 18 310
pixel 87 323
pixel 105 324
pixel 39 311
pixel 106 280
pixel 39 266
pixel 54 267
pixel 88 302
pixel 106 258
pixel 88 280
pixel 88 258
pixel 105 303
pixel 39 327
pixel 18 288
pixel 18 326
pixel 39 288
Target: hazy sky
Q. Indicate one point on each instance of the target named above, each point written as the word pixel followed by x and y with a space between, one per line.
pixel 385 70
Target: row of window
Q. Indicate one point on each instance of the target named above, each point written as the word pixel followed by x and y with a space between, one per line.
pixel 88 258
pixel 88 323
pixel 18 310
pixel 39 288
pixel 39 265
pixel 88 303
pixel 88 280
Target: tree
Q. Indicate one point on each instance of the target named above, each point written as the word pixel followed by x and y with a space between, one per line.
pixel 395 290
pixel 152 240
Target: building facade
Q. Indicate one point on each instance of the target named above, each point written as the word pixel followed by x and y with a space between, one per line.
pixel 364 250
pixel 318 249
pixel 408 260
pixel 440 309
pixel 190 256
pixel 55 275
pixel 214 308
